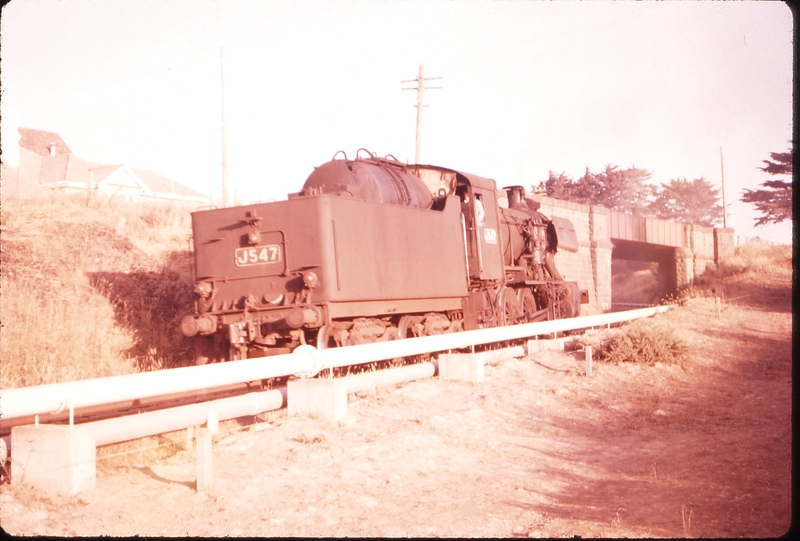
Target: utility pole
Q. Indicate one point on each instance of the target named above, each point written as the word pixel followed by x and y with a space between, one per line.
pixel 420 88
pixel 724 206
pixel 222 129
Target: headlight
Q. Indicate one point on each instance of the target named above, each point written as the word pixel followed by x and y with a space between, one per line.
pixel 254 237
pixel 203 289
pixel 310 280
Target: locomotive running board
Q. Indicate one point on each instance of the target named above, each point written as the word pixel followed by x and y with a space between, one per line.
pixel 379 308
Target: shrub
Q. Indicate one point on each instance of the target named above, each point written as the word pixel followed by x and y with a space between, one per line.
pixel 643 342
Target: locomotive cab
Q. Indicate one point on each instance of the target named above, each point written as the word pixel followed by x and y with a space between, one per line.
pixel 480 216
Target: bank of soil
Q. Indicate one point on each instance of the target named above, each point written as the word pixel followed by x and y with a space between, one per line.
pixel 538 449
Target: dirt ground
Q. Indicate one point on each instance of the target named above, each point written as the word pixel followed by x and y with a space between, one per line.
pixel 537 450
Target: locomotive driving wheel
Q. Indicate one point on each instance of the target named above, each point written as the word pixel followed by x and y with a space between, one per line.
pixel 508 307
pixel 567 305
pixel 527 304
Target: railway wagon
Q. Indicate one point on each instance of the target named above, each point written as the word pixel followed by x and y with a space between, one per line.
pixel 372 249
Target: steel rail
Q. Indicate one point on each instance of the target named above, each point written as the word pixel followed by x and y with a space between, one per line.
pixel 305 360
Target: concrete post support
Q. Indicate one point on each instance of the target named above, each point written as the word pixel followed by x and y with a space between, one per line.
pixel 461 367
pixel 324 397
pixel 588 352
pixel 723 243
pixel 57 459
pixel 204 470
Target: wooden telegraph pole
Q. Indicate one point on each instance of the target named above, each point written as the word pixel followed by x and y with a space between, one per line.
pixel 420 88
pixel 225 201
pixel 724 206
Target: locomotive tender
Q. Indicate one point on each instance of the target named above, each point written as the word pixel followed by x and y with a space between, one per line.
pixel 373 249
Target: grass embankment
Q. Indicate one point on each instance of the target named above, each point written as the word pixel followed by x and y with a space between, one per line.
pixel 91 289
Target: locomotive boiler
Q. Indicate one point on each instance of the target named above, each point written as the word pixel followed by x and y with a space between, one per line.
pixel 372 249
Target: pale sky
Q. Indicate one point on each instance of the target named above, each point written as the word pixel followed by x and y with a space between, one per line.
pixel 527 87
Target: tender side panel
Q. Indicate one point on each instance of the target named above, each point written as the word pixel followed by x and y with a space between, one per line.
pixel 360 251
pixel 391 252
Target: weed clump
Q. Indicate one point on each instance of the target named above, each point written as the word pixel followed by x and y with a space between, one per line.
pixel 642 342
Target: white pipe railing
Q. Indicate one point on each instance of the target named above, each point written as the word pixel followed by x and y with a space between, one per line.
pixel 305 360
pixel 151 423
pixel 170 419
pixel 132 427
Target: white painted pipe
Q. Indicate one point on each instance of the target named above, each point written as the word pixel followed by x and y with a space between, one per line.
pixel 115 430
pixel 378 351
pixel 494 356
pixel 369 381
pixel 26 401
pixel 131 427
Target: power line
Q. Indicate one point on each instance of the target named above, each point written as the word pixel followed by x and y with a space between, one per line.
pixel 420 88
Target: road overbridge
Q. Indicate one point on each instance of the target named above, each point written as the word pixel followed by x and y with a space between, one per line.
pixel 681 251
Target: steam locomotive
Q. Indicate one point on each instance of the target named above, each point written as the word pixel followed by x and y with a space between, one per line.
pixel 372 249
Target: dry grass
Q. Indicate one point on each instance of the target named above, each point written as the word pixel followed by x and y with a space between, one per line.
pixel 90 288
pixel 753 267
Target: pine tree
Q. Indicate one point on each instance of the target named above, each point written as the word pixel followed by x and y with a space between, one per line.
pixel 625 190
pixel 694 202
pixel 560 187
pixel 774 200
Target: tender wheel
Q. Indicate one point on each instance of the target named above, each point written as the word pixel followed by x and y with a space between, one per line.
pixel 325 338
pixel 406 328
pixel 509 311
pixel 527 304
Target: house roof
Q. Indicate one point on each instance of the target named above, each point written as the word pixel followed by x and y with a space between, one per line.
pixel 39 141
pixel 69 167
pixel 161 184
pixel 65 166
pixel 102 172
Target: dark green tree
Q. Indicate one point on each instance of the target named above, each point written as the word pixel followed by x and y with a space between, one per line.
pixel 625 190
pixel 774 200
pixel 560 187
pixel 694 202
